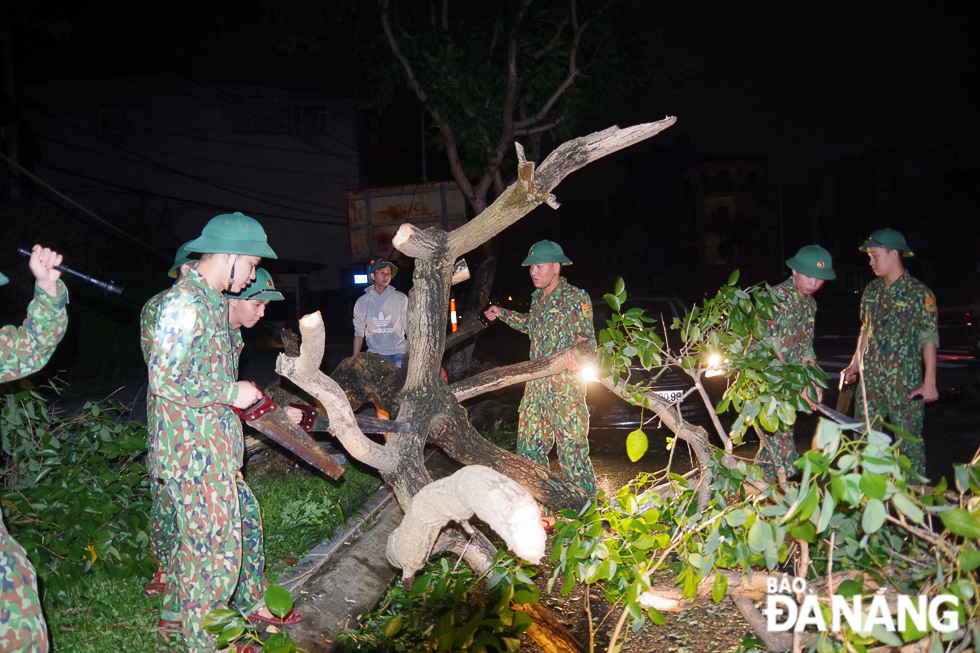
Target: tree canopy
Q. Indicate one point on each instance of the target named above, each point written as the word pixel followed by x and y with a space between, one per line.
pixel 491 72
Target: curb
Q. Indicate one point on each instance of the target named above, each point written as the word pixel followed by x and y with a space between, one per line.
pixel 346 575
pixel 302 571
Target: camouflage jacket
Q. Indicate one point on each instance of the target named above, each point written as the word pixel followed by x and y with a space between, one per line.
pixel 192 364
pixel 148 320
pixel 26 349
pixel 554 323
pixel 792 330
pixel 898 321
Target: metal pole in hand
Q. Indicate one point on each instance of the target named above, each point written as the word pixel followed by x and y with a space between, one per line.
pixel 104 285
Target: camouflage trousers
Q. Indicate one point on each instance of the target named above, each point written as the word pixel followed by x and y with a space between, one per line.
pixel 777 451
pixel 900 411
pixel 163 524
pixel 22 626
pixel 219 559
pixel 549 419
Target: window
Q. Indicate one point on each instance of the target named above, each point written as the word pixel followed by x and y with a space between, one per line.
pixel 309 119
pixel 110 119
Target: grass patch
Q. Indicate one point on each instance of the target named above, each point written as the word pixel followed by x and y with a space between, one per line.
pixel 300 510
pixel 503 432
pixel 101 614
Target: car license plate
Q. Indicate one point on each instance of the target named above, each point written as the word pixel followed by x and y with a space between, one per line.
pixel 670 395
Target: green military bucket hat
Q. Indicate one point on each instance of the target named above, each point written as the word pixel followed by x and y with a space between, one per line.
pixel 384 263
pixel 182 257
pixel 813 261
pixel 889 239
pixel 232 233
pixel 260 290
pixel 546 251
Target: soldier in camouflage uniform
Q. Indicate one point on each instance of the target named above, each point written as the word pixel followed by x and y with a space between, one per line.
pixel 163 517
pixel 245 309
pixel 198 445
pixel 899 337
pixel 24 351
pixel 554 409
pixel 791 333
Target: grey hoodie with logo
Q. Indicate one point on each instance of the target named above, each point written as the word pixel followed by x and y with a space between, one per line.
pixel 381 320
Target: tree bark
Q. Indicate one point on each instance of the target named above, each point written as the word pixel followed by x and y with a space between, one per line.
pixel 417 392
pixel 474 490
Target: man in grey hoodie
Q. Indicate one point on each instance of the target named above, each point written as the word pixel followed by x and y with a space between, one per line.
pixel 381 315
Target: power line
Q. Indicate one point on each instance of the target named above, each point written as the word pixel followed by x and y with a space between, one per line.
pixel 179 172
pixel 111 156
pixel 42 183
pixel 196 203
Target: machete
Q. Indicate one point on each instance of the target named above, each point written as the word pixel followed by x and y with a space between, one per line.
pixel 840 418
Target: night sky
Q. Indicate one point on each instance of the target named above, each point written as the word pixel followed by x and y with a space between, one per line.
pixel 781 80
pixel 790 79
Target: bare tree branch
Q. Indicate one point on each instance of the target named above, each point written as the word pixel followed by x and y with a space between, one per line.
pixel 305 372
pixel 534 185
pixel 502 377
pixel 452 150
pixel 540 128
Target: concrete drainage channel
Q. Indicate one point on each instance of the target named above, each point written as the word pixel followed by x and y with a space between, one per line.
pixel 347 574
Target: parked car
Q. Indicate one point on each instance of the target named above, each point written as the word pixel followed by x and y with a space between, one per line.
pixel 610 412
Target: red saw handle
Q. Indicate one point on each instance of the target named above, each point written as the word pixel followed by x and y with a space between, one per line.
pixel 309 415
pixel 263 406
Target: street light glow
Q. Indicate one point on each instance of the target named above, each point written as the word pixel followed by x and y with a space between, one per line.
pixel 714 366
pixel 588 373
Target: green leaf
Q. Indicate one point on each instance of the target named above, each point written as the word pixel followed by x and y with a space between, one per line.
pixel 961 522
pixel 278 600
pixel 838 487
pixel 613 301
pixel 826 512
pixel 620 287
pixel 849 588
pixel 907 507
pixel 805 531
pixel 216 620
pixel 809 505
pixel 735 518
pixel 873 485
pixel 733 278
pixel 962 588
pixel 874 516
pixel 760 536
pixel 392 626
pixel 969 559
pixel 720 588
pixel 636 444
pixel 656 616
pixel 229 634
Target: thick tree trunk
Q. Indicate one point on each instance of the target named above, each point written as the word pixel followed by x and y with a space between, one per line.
pixel 458 364
pixel 474 490
pixel 417 392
